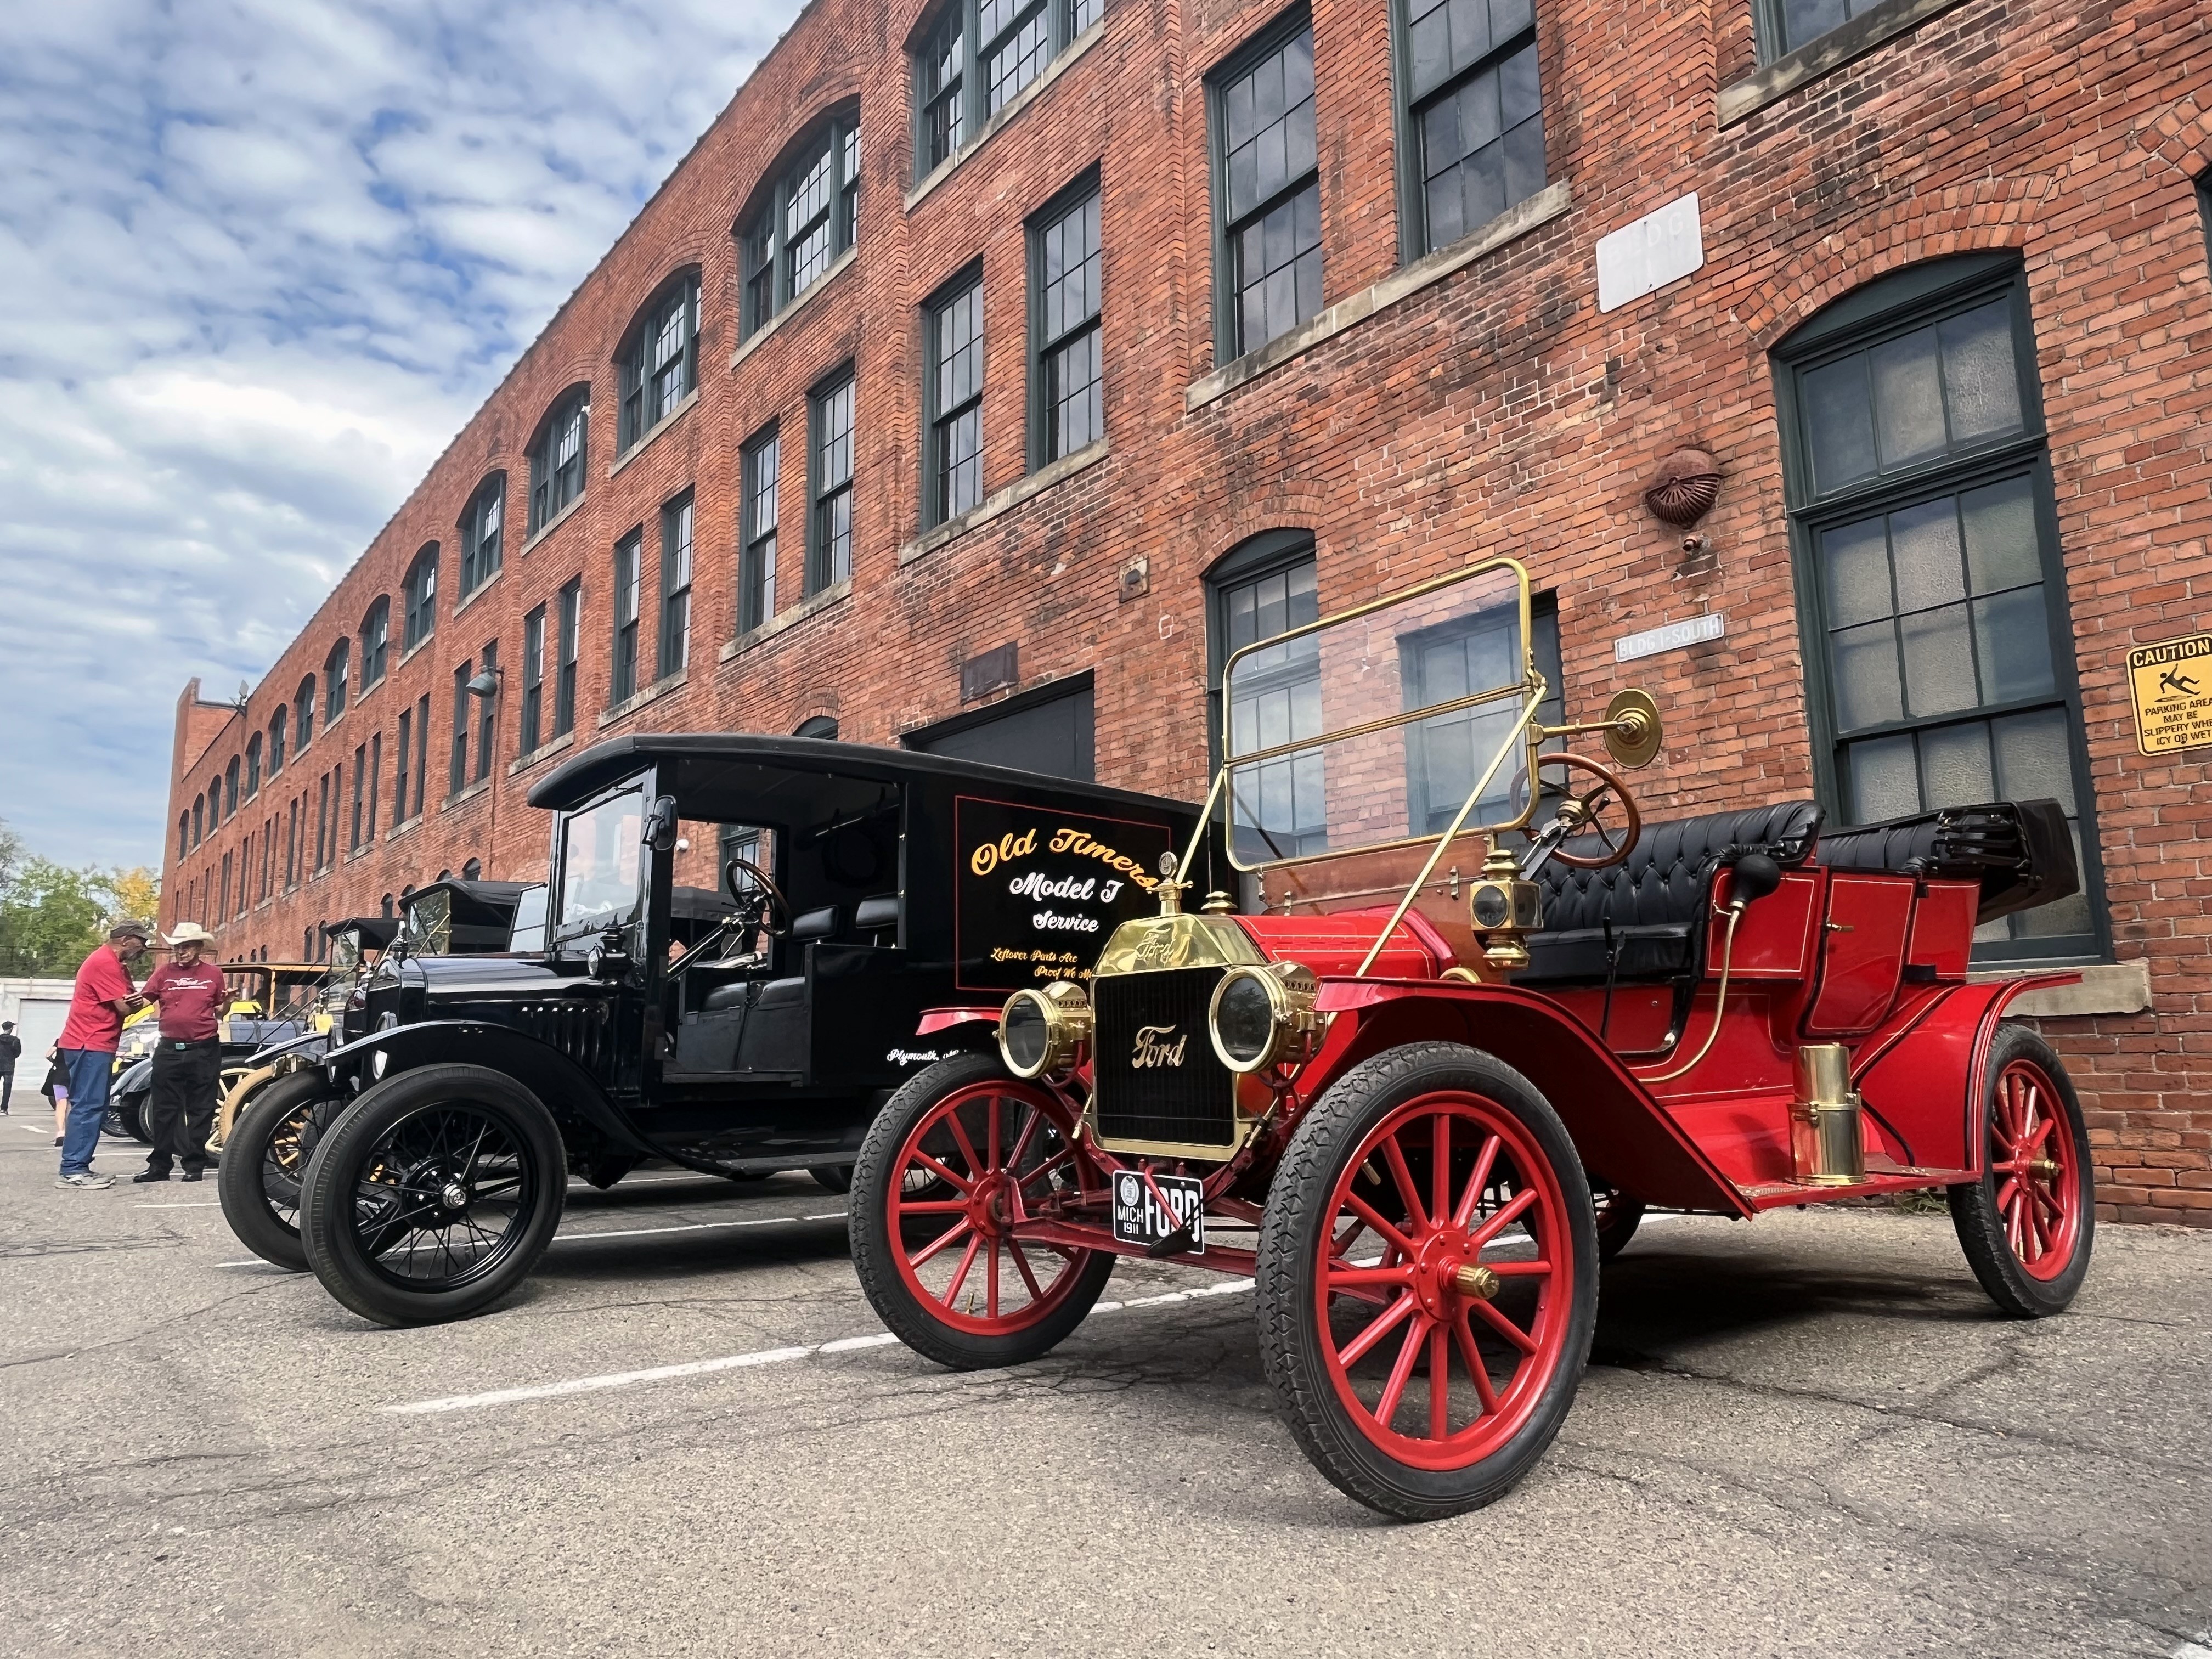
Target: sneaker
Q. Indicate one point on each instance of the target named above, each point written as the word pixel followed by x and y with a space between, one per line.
pixel 150 1175
pixel 192 1174
pixel 88 1181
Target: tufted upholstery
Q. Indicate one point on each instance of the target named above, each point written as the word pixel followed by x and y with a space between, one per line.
pixel 1656 900
pixel 2021 851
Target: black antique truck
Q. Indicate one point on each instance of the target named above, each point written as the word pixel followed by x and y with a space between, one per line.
pixel 744 936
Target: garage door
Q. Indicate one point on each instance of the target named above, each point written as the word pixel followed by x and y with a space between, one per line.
pixel 39 1021
pixel 1051 734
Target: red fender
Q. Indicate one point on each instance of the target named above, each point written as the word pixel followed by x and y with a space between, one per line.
pixel 935 1020
pixel 1620 1131
pixel 1922 1073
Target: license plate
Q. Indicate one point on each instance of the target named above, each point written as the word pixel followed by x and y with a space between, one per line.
pixel 1139 1218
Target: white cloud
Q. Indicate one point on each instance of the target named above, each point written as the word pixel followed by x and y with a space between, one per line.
pixel 262 258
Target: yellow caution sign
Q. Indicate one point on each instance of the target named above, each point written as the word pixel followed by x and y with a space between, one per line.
pixel 2173 686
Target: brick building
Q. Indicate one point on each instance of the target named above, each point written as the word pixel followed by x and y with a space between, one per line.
pixel 988 371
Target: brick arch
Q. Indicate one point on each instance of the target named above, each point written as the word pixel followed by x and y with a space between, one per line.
pixel 1988 214
pixel 2180 135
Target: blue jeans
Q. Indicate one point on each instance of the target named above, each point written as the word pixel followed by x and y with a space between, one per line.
pixel 90 1071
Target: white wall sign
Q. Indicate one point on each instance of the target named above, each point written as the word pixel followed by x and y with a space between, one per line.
pixel 1699 630
pixel 1643 257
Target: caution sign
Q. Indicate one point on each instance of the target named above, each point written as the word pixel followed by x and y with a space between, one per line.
pixel 2173 685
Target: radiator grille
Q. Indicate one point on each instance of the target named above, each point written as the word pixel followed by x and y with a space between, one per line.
pixel 1155 1016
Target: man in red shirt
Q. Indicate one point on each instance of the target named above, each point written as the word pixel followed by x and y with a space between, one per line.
pixel 102 997
pixel 188 1061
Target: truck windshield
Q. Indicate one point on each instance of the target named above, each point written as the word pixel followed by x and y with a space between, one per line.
pixel 599 849
pixel 528 932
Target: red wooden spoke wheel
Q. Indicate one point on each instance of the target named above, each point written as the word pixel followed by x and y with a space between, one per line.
pixel 1428 1280
pixel 959 1160
pixel 2027 1225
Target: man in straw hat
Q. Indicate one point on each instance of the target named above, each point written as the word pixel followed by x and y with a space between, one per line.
pixel 102 999
pixel 188 1059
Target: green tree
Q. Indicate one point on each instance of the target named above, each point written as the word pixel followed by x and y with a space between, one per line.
pixel 51 915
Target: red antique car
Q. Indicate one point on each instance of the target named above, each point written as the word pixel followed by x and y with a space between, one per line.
pixel 1429 1065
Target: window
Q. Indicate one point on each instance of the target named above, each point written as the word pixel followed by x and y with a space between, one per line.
pixel 253 766
pixel 360 779
pixel 375 778
pixel 659 362
pixel 818 725
pixel 953 378
pixel 675 586
pixel 564 684
pixel 978 56
pixel 399 774
pixel 421 755
pixel 376 642
pixel 184 834
pixel 472 870
pixel 481 530
pixel 756 554
pixel 556 467
pixel 1472 121
pixel 199 819
pixel 334 681
pixel 323 821
pixel 533 679
pixel 1265 587
pixel 1066 387
pixel 829 472
pixel 418 599
pixel 1929 592
pixel 629 581
pixel 1268 192
pixel 487 713
pixel 457 767
pixel 230 790
pixel 805 219
pixel 276 725
pixel 303 710
pixel 1783 26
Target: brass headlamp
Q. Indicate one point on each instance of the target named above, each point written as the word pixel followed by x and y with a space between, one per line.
pixel 1264 1016
pixel 1044 1029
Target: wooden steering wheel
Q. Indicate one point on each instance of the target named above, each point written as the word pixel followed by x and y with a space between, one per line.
pixel 773 905
pixel 1586 812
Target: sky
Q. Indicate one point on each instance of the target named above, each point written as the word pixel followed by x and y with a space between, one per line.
pixel 259 260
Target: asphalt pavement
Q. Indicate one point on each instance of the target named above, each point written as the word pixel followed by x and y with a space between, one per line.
pixel 1810 1434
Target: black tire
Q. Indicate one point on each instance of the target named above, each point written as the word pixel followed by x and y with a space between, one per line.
pixel 265 1157
pixel 126 1116
pixel 878 1257
pixel 1617 1217
pixel 1979 1208
pixel 832 1177
pixel 1296 1343
pixel 373 1205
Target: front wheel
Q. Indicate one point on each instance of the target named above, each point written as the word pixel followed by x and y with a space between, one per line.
pixel 264 1160
pixel 127 1118
pixel 950 1168
pixel 434 1195
pixel 1428 1280
pixel 2028 1224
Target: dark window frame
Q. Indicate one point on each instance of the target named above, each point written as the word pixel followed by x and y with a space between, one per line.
pixel 252 767
pixel 822 557
pixel 1229 342
pixel 673 649
pixel 758 544
pixel 557 483
pixel 336 668
pixel 763 231
pixel 457 757
pixel 953 107
pixel 567 648
pixel 1771 34
pixel 629 632
pixel 1415 239
pixel 530 725
pixel 419 598
pixel 403 751
pixel 1890 308
pixel 484 533
pixel 304 703
pixel 375 644
pixel 1047 440
pixel 940 499
pixel 279 723
pixel 648 396
pixel 487 713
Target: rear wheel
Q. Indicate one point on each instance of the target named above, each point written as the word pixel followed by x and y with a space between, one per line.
pixel 266 1158
pixel 1428 1280
pixel 433 1196
pixel 126 1117
pixel 2028 1224
pixel 961 1151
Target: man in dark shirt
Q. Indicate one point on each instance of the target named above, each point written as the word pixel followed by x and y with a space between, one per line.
pixel 188 1059
pixel 11 1050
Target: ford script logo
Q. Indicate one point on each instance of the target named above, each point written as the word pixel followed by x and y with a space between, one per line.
pixel 1153 1048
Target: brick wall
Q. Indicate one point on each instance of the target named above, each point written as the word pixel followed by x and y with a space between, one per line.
pixel 1494 410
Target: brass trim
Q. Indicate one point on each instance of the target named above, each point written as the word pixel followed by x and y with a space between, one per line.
pixel 1294 1029
pixel 1414 717
pixel 1161 944
pixel 1066 1012
pixel 1201 1151
pixel 1475 1280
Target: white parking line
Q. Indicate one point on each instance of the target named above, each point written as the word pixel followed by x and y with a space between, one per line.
pixel 462 1402
pixel 2196 1650
pixel 197 1204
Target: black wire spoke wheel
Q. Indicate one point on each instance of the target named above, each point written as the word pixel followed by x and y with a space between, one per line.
pixel 264 1162
pixel 435 1195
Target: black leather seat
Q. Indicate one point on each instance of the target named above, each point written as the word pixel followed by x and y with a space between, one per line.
pixel 752 994
pixel 1643 917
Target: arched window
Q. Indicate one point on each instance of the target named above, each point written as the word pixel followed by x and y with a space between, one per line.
pixel 253 766
pixel 558 457
pixel 387 904
pixel 216 814
pixel 1931 602
pixel 818 725
pixel 276 725
pixel 802 220
pixel 334 681
pixel 376 642
pixel 974 60
pixel 230 788
pixel 419 598
pixel 199 819
pixel 480 527
pixel 184 834
pixel 303 710
pixel 659 359
pixel 472 870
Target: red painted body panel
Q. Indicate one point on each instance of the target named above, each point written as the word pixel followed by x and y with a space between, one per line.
pixel 1943 928
pixel 1336 943
pixel 1869 917
pixel 935 1020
